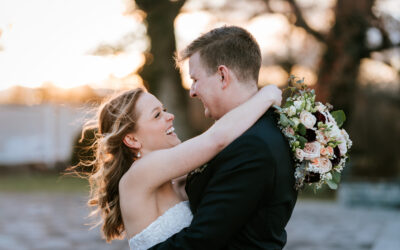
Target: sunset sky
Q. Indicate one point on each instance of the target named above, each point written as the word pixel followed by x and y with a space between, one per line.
pixel 52 41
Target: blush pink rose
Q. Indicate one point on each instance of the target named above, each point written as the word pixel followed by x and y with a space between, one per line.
pixel 299 154
pixel 322 165
pixel 326 151
pixel 289 130
pixel 312 150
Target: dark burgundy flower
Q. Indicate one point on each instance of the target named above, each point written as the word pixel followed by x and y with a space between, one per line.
pixel 336 160
pixel 312 177
pixel 310 135
pixel 320 117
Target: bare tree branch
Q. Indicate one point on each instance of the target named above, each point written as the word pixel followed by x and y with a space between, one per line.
pixel 386 42
pixel 384 47
pixel 301 22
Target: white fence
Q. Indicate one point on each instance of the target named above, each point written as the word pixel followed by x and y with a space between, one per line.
pixel 41 134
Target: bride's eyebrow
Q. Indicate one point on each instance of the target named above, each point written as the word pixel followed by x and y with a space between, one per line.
pixel 154 110
pixel 157 108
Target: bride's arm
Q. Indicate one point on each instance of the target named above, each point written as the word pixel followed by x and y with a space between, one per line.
pixel 161 166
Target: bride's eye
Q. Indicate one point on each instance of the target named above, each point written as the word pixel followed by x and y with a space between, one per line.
pixel 159 113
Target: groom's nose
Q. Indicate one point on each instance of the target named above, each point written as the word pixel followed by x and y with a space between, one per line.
pixel 193 90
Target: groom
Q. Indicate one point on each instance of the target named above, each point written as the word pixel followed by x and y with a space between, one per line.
pixel 244 197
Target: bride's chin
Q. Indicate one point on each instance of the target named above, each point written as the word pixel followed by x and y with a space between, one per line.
pixel 177 141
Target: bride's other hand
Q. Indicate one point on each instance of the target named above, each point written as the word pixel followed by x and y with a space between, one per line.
pixel 272 93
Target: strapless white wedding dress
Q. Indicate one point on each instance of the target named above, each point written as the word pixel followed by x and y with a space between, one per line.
pixel 172 221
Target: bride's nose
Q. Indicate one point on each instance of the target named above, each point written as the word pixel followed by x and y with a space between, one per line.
pixel 170 117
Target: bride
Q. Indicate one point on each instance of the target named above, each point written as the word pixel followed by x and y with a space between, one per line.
pixel 138 154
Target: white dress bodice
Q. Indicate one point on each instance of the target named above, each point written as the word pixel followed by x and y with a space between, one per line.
pixel 172 221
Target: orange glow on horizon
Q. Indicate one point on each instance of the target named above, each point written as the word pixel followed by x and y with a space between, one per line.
pixel 41 42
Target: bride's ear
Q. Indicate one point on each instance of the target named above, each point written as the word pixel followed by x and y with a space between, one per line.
pixel 131 142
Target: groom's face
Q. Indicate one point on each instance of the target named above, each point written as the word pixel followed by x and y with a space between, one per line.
pixel 205 87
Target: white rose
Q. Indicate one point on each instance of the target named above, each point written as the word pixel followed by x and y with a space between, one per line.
pixel 291 111
pixel 335 133
pixel 346 137
pixel 299 154
pixel 307 119
pixel 320 107
pixel 321 138
pixel 297 104
pixel 344 134
pixel 342 147
pixel 312 150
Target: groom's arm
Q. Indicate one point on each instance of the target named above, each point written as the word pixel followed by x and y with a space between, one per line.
pixel 245 171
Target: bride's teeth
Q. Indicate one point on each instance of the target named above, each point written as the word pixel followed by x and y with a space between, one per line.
pixel 169 131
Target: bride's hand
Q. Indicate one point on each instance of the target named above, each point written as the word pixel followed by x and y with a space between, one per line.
pixel 272 93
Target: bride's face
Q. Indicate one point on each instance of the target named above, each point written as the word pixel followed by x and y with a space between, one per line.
pixel 155 125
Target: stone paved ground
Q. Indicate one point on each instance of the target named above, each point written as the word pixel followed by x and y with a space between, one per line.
pixel 56 221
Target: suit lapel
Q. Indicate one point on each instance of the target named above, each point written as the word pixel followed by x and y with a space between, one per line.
pixel 195 185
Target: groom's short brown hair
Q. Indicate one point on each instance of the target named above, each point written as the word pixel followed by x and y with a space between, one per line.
pixel 228 45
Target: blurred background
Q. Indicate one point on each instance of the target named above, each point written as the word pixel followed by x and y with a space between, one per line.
pixel 59 59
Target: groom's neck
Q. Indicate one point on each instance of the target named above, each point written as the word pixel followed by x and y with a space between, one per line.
pixel 238 95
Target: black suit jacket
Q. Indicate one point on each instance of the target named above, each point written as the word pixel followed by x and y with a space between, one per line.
pixel 245 196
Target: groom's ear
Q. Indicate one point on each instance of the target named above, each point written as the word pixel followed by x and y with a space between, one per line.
pixel 131 142
pixel 225 79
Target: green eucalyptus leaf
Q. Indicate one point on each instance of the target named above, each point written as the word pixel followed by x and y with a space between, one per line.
pixel 283 120
pixel 336 176
pixel 331 184
pixel 339 117
pixel 302 141
pixel 288 104
pixel 279 109
pixel 302 129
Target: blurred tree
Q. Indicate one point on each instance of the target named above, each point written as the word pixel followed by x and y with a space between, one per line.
pixel 345 46
pixel 159 72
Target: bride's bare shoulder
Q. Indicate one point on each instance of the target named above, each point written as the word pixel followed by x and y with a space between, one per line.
pixel 135 178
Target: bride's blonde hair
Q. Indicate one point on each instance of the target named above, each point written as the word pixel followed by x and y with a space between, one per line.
pixel 115 118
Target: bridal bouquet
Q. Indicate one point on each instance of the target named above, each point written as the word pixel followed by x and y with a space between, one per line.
pixel 319 145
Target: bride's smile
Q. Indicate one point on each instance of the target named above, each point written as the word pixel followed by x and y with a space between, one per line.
pixel 155 128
